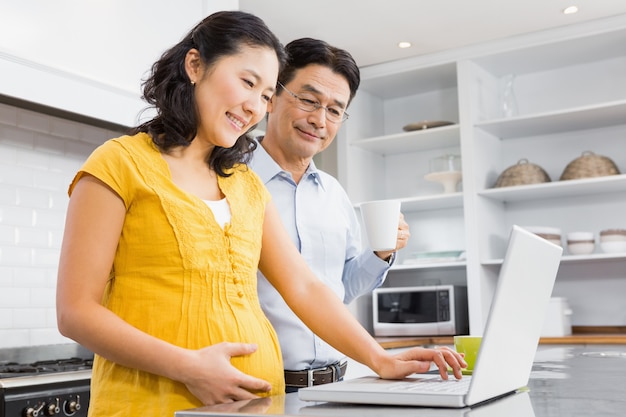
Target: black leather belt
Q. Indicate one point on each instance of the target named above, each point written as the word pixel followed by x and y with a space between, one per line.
pixel 316 376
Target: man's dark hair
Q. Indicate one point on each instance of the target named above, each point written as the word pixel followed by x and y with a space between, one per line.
pixel 307 51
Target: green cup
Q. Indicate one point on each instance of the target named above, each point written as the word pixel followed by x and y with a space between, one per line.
pixel 469 345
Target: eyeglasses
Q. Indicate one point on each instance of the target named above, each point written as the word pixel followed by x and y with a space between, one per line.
pixel 334 114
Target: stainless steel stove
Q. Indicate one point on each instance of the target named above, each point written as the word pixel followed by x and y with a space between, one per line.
pixel 50 380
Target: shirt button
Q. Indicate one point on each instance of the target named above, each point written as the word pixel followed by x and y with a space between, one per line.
pixel 240 294
pixel 236 280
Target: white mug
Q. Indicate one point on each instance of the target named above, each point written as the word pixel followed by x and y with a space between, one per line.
pixel 381 219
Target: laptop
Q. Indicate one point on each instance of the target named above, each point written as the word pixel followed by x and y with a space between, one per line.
pixel 507 351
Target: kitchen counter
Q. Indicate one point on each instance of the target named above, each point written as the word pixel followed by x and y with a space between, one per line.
pixel 581 335
pixel 566 381
pixel 577 339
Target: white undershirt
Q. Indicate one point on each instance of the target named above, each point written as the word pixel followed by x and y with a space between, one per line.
pixel 221 211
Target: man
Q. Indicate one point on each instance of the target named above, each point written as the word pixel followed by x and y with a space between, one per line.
pixel 309 106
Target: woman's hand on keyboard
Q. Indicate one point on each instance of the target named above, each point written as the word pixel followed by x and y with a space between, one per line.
pixel 418 360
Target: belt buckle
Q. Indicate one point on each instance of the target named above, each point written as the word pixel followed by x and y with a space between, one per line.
pixel 310 379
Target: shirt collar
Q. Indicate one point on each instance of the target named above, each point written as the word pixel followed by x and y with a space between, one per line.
pixel 266 168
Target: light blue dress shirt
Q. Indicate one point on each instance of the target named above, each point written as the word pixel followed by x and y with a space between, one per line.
pixel 322 223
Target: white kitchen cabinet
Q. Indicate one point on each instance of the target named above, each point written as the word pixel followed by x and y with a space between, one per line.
pixel 570 94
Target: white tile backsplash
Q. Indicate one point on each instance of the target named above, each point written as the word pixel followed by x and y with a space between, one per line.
pixel 16 175
pixel 7 153
pixel 26 158
pixel 43 297
pixel 67 129
pixel 39 156
pixel 79 149
pixel 8 114
pixel 54 181
pixel 51 144
pixel 7 235
pixel 29 318
pixel 15 297
pixel 17 216
pixel 6 318
pixel 15 338
pixel 36 122
pixel 48 218
pixel 16 256
pixel 32 237
pixel 33 197
pixel 20 138
pixel 8 194
pixel 6 279
pixel 46 257
pixel 33 278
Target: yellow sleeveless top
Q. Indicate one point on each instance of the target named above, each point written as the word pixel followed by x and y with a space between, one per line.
pixel 179 276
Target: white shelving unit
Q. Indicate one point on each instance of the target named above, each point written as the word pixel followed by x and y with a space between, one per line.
pixel 419 140
pixel 570 89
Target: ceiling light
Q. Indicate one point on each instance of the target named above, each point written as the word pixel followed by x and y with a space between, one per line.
pixel 404 45
pixel 570 10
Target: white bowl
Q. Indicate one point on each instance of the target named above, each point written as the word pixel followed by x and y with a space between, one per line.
pixel 580 248
pixel 613 235
pixel 613 246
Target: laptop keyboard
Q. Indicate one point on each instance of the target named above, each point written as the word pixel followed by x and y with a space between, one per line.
pixel 452 386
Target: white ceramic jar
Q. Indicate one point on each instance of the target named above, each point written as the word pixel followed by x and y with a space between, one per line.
pixel 580 243
pixel 613 240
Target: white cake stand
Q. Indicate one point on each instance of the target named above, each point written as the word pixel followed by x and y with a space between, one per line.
pixel 449 179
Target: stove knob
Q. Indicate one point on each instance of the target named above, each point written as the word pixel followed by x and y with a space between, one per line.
pixel 34 412
pixel 53 408
pixel 72 406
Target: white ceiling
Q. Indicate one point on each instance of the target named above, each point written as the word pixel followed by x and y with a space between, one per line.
pixel 371 29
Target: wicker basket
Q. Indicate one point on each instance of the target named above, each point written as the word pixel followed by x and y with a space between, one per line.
pixel 522 173
pixel 589 165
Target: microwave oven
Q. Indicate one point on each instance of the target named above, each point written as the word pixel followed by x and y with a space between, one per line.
pixel 432 310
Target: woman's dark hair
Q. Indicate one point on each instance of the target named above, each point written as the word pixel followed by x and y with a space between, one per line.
pixel 169 91
pixel 307 51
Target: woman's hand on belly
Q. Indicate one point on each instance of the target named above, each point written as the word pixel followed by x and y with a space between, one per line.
pixel 209 375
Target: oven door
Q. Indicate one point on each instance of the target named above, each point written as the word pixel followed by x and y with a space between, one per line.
pixel 65 398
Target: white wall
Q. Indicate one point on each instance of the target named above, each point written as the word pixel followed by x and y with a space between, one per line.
pixel 88 57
